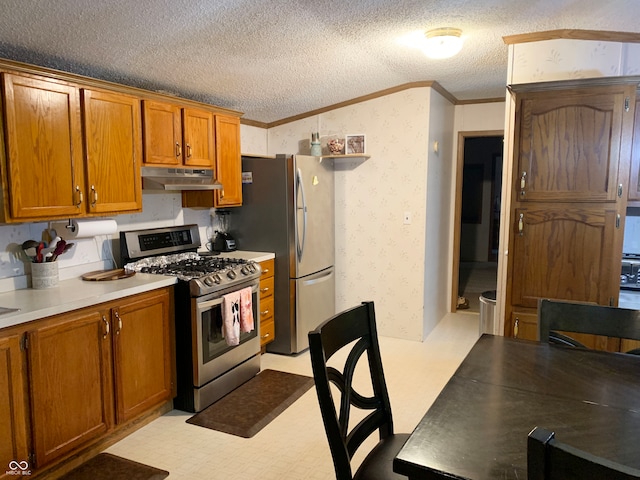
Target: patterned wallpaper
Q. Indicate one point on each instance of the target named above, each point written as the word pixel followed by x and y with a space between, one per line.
pixel 377 256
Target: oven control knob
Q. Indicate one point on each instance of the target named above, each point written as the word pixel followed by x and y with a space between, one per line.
pixel 231 274
pixel 217 278
pixel 245 270
pixel 208 281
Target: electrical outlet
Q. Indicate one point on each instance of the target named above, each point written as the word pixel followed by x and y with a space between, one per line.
pixel 406 219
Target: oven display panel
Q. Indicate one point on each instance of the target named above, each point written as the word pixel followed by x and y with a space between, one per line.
pixel 154 241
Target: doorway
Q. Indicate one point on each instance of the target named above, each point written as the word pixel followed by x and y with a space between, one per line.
pixel 477 217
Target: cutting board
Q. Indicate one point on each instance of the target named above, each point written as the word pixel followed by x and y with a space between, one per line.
pixel 100 275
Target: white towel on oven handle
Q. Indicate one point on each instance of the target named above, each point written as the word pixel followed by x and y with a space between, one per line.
pixel 231 318
pixel 246 310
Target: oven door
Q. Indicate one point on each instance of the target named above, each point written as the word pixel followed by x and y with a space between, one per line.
pixel 212 355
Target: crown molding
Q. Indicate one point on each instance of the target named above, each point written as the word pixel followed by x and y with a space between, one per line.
pixel 598 35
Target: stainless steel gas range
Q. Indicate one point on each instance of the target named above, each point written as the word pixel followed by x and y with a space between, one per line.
pixel 207 365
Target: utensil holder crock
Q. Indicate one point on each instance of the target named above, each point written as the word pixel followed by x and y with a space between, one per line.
pixel 44 275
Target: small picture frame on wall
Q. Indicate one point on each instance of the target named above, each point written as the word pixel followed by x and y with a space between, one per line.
pixel 354 144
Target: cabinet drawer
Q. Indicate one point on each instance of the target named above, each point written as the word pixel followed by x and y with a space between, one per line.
pixel 266 288
pixel 267 332
pixel 267 268
pixel 266 309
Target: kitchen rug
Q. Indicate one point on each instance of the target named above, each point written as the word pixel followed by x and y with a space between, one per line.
pixel 105 466
pixel 254 404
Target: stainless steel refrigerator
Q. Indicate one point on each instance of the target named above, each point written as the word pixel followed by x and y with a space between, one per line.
pixel 288 208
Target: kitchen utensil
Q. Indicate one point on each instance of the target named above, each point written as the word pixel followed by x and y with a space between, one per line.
pixel 39 256
pixel 60 248
pixel 29 244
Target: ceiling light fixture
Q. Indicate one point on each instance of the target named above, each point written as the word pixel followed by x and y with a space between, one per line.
pixel 442 42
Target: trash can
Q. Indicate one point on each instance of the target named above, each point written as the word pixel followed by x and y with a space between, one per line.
pixel 487 311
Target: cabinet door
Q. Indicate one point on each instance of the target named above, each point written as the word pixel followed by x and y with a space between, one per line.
pixel 13 430
pixel 199 146
pixel 44 148
pixel 634 177
pixel 565 252
pixel 113 146
pixel 71 388
pixel 228 162
pixel 162 133
pixel 142 354
pixel 570 143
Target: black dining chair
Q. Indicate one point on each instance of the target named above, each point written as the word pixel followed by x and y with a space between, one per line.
pixel 549 459
pixel 556 315
pixel 356 326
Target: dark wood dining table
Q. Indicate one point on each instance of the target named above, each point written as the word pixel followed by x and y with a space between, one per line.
pixel 477 427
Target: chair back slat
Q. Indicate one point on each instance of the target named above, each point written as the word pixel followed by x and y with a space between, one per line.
pixel 555 315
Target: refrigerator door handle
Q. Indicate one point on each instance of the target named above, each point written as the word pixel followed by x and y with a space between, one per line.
pixel 317 279
pixel 300 186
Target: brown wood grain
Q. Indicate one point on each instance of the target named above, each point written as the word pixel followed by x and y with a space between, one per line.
pixel 199 146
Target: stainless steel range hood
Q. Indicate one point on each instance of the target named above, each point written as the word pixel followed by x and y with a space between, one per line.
pixel 159 178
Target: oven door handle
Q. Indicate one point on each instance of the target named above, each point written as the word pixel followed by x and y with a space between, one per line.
pixel 207 305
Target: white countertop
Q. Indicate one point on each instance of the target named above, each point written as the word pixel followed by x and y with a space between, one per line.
pixel 76 293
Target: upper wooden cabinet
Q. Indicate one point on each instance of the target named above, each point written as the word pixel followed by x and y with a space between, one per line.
pixel 569 144
pixel 47 172
pixel 634 174
pixel 228 162
pixel 43 136
pixel 113 151
pixel 176 136
pixel 228 169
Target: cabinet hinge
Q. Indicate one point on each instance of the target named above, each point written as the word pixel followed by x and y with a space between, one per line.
pixel 618 220
pixel 24 342
pixel 32 459
pixel 611 301
pixel 627 104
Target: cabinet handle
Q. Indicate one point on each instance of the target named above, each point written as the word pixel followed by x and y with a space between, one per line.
pixel 266 270
pixel 188 151
pixel 516 327
pixel 222 193
pixel 521 224
pixel 94 195
pixel 178 150
pixel 266 335
pixel 79 196
pixel 523 183
pixel 265 312
pixel 119 322
pixel 106 327
pixel 265 289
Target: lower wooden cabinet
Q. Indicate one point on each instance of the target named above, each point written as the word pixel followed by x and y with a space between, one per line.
pixel 523 325
pixel 90 371
pixel 267 325
pixel 13 410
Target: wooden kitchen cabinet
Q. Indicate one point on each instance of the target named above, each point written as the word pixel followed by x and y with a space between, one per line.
pixel 634 174
pixel 71 385
pixel 565 252
pixel 569 144
pixel 267 324
pixel 96 368
pixel 228 162
pixel 142 353
pixel 228 169
pixel 177 136
pixel 43 136
pixel 13 413
pixel 48 174
pixel 113 151
pixel 570 168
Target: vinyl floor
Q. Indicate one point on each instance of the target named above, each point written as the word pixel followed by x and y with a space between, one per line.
pixel 294 446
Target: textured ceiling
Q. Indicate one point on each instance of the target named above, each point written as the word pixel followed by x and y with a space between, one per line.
pixel 276 59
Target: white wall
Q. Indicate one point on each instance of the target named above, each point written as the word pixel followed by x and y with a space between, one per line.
pixel 377 257
pixel 439 210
